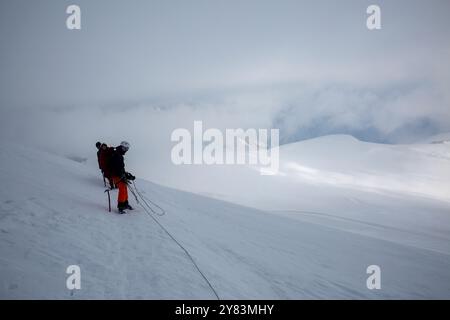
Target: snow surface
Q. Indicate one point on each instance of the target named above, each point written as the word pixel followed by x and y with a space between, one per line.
pixel 337 206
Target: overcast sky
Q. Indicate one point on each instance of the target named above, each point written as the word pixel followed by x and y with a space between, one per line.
pixel 306 67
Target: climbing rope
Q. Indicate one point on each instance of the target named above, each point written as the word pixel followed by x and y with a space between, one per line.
pixel 146 200
pixel 137 194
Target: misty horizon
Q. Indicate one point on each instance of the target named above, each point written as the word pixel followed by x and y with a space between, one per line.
pixel 307 68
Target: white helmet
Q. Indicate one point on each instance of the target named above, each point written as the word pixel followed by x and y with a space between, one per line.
pixel 125 145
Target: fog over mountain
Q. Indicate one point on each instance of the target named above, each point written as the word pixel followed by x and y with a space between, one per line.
pixel 308 68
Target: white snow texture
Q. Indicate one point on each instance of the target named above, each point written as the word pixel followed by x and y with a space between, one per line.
pixel 338 206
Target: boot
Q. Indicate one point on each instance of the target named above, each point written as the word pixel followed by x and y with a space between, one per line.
pixel 127 205
pixel 121 206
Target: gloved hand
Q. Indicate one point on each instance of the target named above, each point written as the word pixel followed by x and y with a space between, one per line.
pixel 129 176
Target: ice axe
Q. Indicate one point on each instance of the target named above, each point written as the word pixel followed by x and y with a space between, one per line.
pixel 109 200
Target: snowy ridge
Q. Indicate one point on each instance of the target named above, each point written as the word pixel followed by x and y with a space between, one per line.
pixel 53 213
pixel 439 138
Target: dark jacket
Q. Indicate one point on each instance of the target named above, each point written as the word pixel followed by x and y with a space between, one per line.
pixel 116 164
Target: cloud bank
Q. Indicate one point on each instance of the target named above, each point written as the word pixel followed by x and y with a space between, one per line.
pixel 138 70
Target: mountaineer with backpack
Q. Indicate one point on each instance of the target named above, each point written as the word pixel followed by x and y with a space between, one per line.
pixel 116 170
pixel 98 145
pixel 104 158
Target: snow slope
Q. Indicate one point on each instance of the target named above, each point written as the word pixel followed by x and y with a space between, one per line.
pixel 399 193
pixel 53 214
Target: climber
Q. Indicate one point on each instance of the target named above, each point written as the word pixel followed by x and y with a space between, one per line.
pixel 104 159
pixel 119 176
